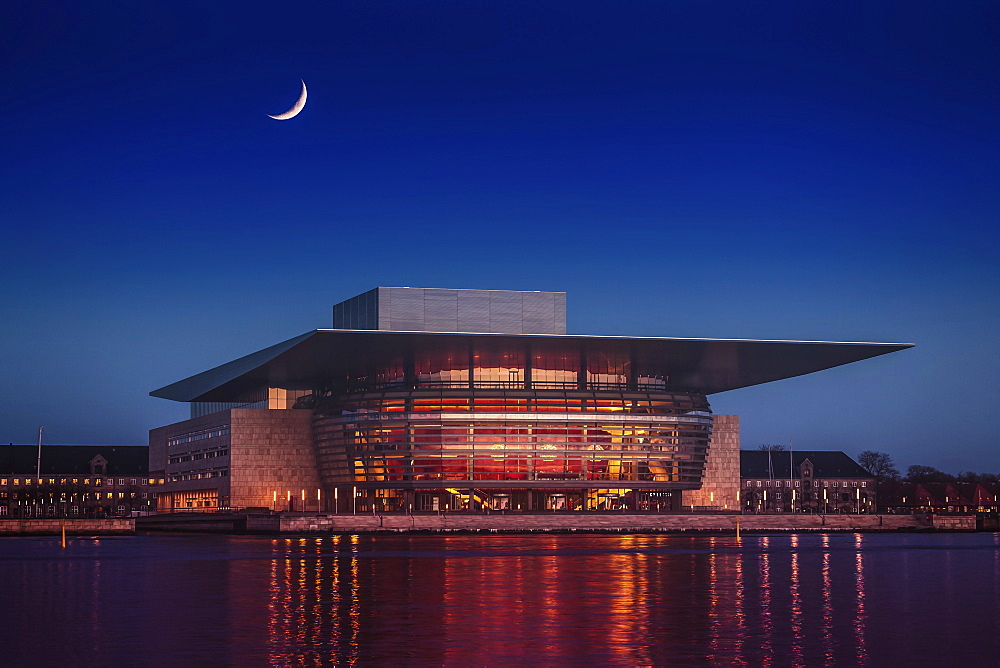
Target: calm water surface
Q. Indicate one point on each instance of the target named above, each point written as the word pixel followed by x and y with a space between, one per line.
pixel 854 599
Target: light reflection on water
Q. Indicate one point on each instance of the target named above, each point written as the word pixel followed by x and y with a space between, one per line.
pixel 832 599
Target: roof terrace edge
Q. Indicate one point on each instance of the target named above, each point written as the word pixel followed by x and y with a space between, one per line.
pixel 193 387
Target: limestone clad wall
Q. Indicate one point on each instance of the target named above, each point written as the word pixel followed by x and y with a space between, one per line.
pixel 272 458
pixel 721 481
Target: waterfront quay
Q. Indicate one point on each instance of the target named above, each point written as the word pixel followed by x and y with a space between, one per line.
pixel 297 523
pixel 112 526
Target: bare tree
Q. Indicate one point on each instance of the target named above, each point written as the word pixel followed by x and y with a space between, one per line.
pixel 777 447
pixel 879 464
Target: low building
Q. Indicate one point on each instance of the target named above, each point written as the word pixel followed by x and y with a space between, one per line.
pixel 75 481
pixel 939 497
pixel 818 481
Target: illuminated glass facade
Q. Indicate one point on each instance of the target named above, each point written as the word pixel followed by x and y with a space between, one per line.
pixel 510 439
pixel 486 420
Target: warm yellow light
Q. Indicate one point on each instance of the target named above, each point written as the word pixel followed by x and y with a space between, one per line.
pixel 303 495
pixel 319 494
pixel 274 495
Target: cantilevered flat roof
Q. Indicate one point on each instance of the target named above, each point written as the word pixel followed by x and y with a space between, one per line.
pixel 709 365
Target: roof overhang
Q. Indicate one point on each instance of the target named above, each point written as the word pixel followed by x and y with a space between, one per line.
pixel 709 365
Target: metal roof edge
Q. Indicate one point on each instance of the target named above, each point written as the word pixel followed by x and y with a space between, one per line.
pixel 193 386
pixel 618 337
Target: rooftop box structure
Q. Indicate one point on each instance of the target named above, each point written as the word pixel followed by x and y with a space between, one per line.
pixel 444 310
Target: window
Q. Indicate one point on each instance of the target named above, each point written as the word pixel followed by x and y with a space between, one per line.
pixel 749 483
pixel 145 481
pixel 864 483
pixel 132 481
pixel 3 510
pixel 121 510
pixel 855 484
pixel 826 483
pixel 3 481
pixel 74 510
pixel 121 481
pixel 796 483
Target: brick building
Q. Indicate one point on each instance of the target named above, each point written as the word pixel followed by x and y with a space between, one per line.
pixel 75 481
pixel 820 481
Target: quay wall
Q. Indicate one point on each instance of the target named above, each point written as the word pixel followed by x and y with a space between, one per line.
pixel 529 522
pixel 623 522
pixel 74 527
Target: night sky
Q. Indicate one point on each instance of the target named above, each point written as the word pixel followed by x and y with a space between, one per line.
pixel 820 171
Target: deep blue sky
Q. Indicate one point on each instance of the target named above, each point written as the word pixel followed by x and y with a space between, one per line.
pixel 708 169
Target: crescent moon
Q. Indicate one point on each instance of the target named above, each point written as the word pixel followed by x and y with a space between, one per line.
pixel 296 108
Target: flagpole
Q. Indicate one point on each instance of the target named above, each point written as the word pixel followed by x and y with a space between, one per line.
pixel 38 467
pixel 791 476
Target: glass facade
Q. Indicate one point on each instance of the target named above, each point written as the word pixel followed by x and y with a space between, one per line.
pixel 495 439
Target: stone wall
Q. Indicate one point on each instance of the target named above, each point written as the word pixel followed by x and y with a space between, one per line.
pixel 610 522
pixel 53 527
pixel 272 457
pixel 721 481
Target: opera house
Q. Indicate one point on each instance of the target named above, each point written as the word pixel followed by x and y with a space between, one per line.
pixel 432 399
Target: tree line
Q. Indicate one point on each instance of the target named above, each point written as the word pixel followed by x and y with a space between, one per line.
pixel 881 466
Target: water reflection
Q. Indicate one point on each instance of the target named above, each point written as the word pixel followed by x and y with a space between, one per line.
pixel 859 588
pixel 625 600
pixel 458 600
pixel 826 596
